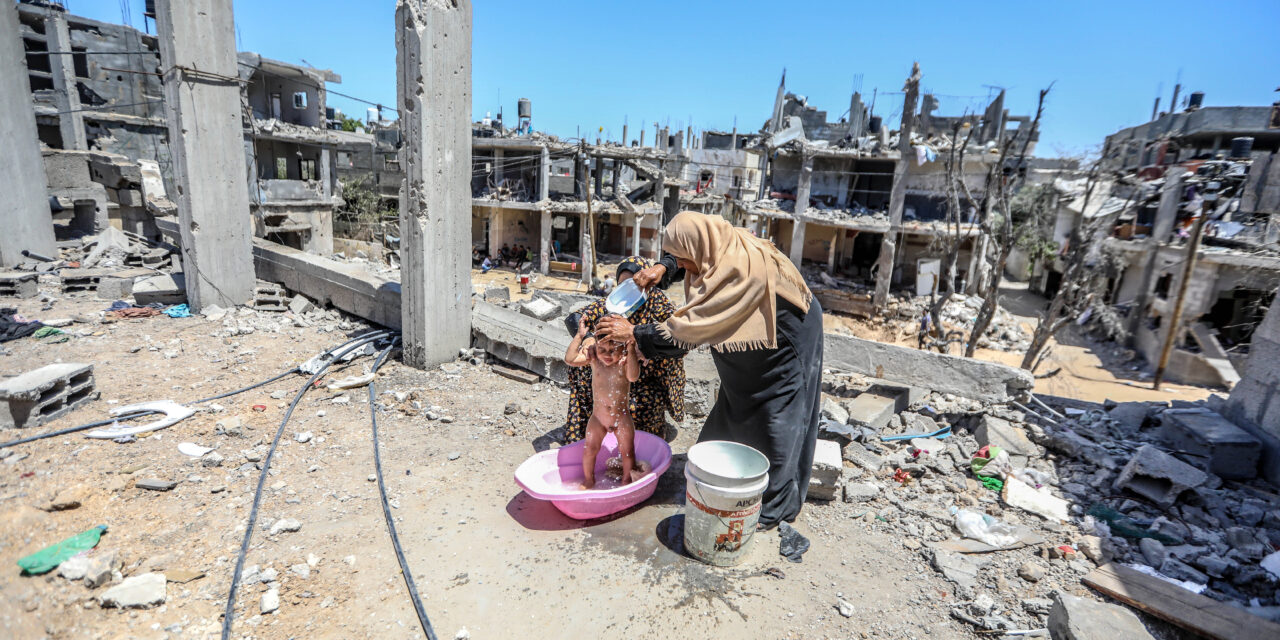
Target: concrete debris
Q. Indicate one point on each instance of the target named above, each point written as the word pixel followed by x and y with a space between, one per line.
pixel 1073 618
pixel 1001 433
pixel 1158 476
pixel 40 395
pixel 1216 443
pixel 824 483
pixel 285 525
pixel 1042 503
pixel 141 591
pixel 270 601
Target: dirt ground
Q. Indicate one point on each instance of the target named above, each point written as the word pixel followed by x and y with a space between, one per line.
pixel 486 557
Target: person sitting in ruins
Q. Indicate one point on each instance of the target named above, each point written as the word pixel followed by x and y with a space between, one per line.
pixel 519 254
pixel 504 255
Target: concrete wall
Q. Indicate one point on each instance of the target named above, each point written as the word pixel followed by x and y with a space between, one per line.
pixel 24 207
pixel 1254 404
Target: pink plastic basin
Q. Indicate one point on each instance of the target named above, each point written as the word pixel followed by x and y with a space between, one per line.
pixel 556 476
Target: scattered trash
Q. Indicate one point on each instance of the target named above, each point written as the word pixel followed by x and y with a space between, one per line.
pixel 990 461
pixel 984 528
pixel 791 545
pixel 48 558
pixel 352 382
pixel 259 407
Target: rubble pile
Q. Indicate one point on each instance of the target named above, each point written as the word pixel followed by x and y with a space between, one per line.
pixel 961 311
pixel 1073 489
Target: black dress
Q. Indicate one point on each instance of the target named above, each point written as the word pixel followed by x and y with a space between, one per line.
pixel 769 399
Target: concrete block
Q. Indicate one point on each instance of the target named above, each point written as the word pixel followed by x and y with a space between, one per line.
pixel 497 293
pixel 999 432
pixel 37 396
pixel 300 304
pixel 115 288
pixel 18 284
pixel 1073 618
pixel 858 455
pixel 521 341
pixel 1158 476
pixel 540 308
pixel 965 377
pixel 66 169
pixel 832 410
pixel 1130 415
pixel 871 410
pixel 1227 450
pixel 828 468
pixel 165 289
pixel 130 198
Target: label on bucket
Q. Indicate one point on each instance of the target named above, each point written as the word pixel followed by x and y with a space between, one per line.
pixel 719 535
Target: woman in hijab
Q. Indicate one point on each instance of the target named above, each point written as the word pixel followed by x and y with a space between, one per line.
pixel 750 305
pixel 660 389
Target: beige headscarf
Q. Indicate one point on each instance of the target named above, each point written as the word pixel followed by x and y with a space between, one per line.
pixel 730 304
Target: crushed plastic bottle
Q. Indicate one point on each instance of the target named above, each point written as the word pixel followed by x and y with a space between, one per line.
pixel 984 528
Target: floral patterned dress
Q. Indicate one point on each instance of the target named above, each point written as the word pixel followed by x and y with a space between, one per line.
pixel 659 391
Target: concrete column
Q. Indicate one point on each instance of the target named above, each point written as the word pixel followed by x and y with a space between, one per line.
pixel 496 216
pixel 203 110
pixel 499 166
pixel 617 177
pixel 545 263
pixel 898 192
pixel 433 90
pixel 831 251
pixel 635 233
pixel 660 194
pixel 599 176
pixel 326 173
pixel 544 175
pixel 797 241
pixel 671 204
pixel 24 209
pixel 1162 226
pixel 65 95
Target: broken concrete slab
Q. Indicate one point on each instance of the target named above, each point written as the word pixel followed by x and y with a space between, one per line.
pixel 520 340
pixel 100 569
pixel 1158 476
pixel 40 395
pixel 832 410
pixel 1221 447
pixel 154 484
pixel 965 377
pixel 1073 618
pixel 141 591
pixel 495 292
pixel 955 567
pixel 998 432
pixel 343 285
pixel 828 467
pixel 858 455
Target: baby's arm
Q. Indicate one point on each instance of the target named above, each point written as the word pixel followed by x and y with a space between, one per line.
pixel 577 355
pixel 632 362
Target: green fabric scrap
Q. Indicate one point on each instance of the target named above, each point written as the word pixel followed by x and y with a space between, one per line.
pixel 1125 527
pixel 994 484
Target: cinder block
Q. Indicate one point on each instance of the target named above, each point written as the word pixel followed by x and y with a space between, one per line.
pixel 541 309
pixel 115 288
pixel 1158 476
pixel 18 284
pixel 43 394
pixel 1227 450
pixel 828 468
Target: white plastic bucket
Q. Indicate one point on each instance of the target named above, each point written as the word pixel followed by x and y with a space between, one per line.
pixel 724 485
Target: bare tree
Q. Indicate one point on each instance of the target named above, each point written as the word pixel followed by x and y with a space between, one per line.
pixel 949 243
pixel 998 223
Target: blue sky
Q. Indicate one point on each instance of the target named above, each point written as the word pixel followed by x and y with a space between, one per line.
pixel 590 64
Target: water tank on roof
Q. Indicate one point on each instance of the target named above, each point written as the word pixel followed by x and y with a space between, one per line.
pixel 1241 147
pixel 1196 99
pixel 371 115
pixel 524 108
pixel 873 125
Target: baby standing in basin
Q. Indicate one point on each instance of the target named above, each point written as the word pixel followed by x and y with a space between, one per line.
pixel 614 366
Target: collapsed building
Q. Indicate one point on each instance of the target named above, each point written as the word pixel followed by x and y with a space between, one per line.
pixel 98 87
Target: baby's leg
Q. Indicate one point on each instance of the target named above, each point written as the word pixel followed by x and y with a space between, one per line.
pixel 595 436
pixel 626 445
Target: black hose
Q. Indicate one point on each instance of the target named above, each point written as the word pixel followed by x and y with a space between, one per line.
pixel 229 615
pixel 386 507
pixel 140 414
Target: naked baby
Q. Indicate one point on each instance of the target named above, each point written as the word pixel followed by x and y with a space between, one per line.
pixel 614 366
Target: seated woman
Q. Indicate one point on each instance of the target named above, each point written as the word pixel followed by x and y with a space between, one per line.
pixel 660 389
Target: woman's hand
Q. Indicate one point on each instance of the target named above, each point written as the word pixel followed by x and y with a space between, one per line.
pixel 649 277
pixel 616 328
